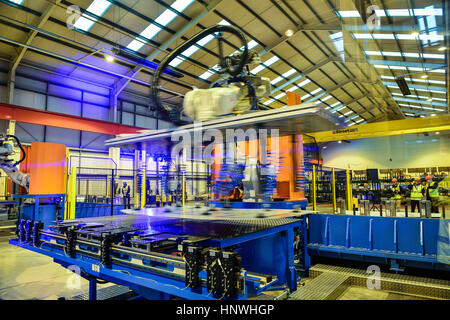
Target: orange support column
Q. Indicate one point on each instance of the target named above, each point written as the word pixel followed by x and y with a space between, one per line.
pixel 47 167
pixel 216 166
pixel 291 158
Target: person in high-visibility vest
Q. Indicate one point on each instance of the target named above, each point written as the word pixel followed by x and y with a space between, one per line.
pixel 432 192
pixel 126 194
pixel 417 193
pixel 118 193
pixel 396 193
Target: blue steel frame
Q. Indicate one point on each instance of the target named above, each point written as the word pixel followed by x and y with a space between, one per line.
pixel 36 198
pixel 396 241
pixel 154 286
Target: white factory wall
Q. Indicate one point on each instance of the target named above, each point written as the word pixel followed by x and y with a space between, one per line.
pixel 402 151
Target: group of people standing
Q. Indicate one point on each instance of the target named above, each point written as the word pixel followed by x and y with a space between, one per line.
pixel 420 190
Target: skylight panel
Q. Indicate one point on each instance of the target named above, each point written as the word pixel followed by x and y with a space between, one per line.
pixel 405 54
pixel 326 98
pixel 191 50
pixel 419 107
pixel 252 44
pixel 335 104
pixel 163 19
pixel 395 13
pixel 166 17
pixel 98 8
pixel 209 72
pixel 338 42
pixel 175 62
pixel 390 36
pixel 338 108
pixel 150 31
pixel 268 102
pixel 284 75
pixel 305 96
pixel 276 80
pixel 180 5
pixel 17 1
pixel 282 94
pixel 224 23
pixel 383 36
pixel 349 14
pixel 292 89
pixel 316 91
pixel 303 83
pixel 362 35
pixel 289 73
pixel 206 75
pixel 265 65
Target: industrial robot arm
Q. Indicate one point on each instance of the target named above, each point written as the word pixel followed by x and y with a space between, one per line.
pixel 8 165
pixel 236 92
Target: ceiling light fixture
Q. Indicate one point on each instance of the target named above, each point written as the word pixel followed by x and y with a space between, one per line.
pixel 424 76
pixel 109 58
pixel 415 34
pixel 442 48
pixel 289 33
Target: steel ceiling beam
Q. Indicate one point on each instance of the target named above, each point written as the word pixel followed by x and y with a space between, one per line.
pixel 33 33
pixel 349 35
pixel 302 75
pixel 336 87
pixel 121 84
pixel 327 27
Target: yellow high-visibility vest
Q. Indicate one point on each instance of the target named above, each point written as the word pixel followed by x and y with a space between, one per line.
pixel 416 192
pixel 396 189
pixel 433 192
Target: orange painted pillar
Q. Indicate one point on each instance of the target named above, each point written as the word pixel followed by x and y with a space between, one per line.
pixel 47 168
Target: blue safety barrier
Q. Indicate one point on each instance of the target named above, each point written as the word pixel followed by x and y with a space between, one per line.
pixel 400 242
pixel 89 210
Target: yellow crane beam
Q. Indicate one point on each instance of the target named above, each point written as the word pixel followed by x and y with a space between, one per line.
pixel 385 128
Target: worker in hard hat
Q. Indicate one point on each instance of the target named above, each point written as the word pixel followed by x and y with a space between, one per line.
pixel 432 193
pixel 396 190
pixel 417 193
pixel 126 195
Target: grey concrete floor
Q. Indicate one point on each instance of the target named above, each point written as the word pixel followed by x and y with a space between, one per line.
pixel 28 275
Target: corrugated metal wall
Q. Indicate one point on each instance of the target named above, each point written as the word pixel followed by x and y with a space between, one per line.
pixel 68 96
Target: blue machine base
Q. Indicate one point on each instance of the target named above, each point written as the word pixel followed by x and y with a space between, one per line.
pixel 300 204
